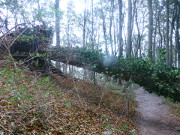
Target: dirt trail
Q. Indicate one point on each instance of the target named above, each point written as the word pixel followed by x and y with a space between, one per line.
pixel 155 118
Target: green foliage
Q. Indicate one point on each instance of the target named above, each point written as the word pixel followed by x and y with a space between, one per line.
pixel 154 77
pixel 133 132
pixel 15 78
pixel 25 38
pixel 29 40
pixel 161 56
pixel 67 103
pixel 157 78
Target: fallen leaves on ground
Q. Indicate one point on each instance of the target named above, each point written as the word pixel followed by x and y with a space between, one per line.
pixel 32 103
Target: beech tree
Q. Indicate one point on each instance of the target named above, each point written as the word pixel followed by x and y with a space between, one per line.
pixel 120 28
pixel 167 32
pixel 84 25
pixel 129 29
pixel 57 22
pixel 150 30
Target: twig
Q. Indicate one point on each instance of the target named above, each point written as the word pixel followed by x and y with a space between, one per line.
pixel 5 129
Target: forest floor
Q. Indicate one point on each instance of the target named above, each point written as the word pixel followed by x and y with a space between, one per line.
pixel 35 103
pixel 154 117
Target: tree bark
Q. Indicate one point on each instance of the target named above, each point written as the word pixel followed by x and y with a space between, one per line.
pixel 177 32
pixel 115 37
pixel 171 40
pixel 129 42
pixel 138 44
pixel 57 23
pixel 92 23
pixel 104 31
pixel 159 29
pixel 167 32
pixel 110 26
pixel 120 49
pixel 150 29
pixel 84 26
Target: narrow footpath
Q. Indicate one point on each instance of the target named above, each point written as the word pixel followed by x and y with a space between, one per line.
pixel 154 117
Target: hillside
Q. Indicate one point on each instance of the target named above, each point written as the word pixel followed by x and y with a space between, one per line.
pixel 34 103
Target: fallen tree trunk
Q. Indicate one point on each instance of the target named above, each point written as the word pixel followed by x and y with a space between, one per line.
pixel 155 78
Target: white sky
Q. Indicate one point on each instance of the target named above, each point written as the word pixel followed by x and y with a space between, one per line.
pixel 79 5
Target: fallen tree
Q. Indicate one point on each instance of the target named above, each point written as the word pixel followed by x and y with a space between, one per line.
pixel 157 78
pixel 26 40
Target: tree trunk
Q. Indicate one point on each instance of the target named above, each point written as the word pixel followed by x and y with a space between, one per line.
pixel 104 31
pixel 92 25
pixel 84 26
pixel 114 37
pixel 177 31
pixel 154 44
pixel 150 29
pixel 171 40
pixel 68 24
pixel 138 38
pixel 57 25
pixel 6 21
pixel 159 29
pixel 129 42
pixel 110 26
pixel 120 49
pixel 167 32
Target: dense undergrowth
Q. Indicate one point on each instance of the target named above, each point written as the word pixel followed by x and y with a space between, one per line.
pixel 32 103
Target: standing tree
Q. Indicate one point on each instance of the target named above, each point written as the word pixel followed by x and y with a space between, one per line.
pixel 167 32
pixel 177 13
pixel 129 29
pixel 110 25
pixel 150 30
pixel 120 48
pixel 57 23
pixel 84 25
pixel 92 23
pixel 104 28
pixel 171 38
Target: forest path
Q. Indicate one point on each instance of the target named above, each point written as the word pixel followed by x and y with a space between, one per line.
pixel 154 117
